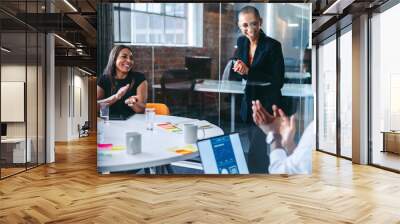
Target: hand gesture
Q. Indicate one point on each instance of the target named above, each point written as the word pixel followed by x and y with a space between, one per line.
pixel 287 130
pixel 122 91
pixel 131 101
pixel 240 67
pixel 263 119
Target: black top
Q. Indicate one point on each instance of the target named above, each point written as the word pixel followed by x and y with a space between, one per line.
pixel 267 66
pixel 119 107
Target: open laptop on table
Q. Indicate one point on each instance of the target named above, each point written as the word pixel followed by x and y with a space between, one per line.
pixel 222 155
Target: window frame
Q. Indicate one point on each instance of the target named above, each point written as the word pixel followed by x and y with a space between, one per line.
pixel 188 40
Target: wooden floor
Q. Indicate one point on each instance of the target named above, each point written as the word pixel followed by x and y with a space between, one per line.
pixel 71 191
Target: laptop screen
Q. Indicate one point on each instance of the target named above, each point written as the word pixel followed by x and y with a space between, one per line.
pixel 222 155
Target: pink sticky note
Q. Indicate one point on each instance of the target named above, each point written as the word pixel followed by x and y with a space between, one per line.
pixel 104 146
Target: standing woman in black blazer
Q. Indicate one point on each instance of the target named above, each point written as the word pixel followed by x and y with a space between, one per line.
pixel 259 61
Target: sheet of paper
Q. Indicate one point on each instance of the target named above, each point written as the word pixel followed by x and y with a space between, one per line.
pixel 167 126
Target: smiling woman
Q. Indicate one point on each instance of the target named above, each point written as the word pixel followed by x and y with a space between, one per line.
pixel 122 89
pixel 259 60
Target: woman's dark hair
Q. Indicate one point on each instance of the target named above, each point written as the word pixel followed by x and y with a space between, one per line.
pixel 250 9
pixel 109 71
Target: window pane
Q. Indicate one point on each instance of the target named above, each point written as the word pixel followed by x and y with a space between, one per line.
pixel 169 9
pixel 170 25
pixel 169 38
pixel 180 39
pixel 140 21
pixel 140 6
pixel 180 31
pixel 125 26
pixel 156 28
pixel 156 23
pixel 154 8
pixel 180 10
pixel 116 25
pixel 385 88
pixel 345 94
pixel 141 38
pixel 327 97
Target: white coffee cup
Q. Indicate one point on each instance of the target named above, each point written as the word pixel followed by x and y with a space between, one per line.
pixel 190 133
pixel 133 143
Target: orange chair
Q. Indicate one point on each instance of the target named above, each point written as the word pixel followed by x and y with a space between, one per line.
pixel 160 108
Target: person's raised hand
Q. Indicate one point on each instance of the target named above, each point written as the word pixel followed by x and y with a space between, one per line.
pixel 287 130
pixel 240 67
pixel 264 120
pixel 122 91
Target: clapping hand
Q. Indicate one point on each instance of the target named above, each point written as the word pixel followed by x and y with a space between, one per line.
pixel 287 130
pixel 263 119
pixel 278 123
pixel 122 91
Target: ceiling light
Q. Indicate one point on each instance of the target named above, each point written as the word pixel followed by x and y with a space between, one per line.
pixel 65 41
pixel 337 7
pixel 333 6
pixel 84 71
pixel 70 5
pixel 293 25
pixel 5 50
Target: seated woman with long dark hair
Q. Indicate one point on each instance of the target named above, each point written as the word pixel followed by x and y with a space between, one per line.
pixel 121 88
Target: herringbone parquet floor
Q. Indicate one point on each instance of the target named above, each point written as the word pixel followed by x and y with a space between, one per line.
pixel 71 191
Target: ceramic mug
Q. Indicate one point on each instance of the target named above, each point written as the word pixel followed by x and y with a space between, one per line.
pixel 133 143
pixel 190 133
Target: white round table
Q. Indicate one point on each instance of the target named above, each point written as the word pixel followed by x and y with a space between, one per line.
pixel 157 145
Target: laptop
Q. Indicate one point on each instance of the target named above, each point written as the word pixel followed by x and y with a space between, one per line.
pixel 222 155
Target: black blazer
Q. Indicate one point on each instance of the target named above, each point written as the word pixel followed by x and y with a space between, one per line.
pixel 267 66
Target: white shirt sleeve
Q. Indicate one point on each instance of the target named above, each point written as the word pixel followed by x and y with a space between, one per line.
pixel 300 161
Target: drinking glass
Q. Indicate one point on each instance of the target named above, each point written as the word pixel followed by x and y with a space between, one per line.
pixel 104 111
pixel 150 115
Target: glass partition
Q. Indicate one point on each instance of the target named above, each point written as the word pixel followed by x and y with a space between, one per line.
pixel 31 98
pixel 22 89
pixel 385 89
pixel 187 52
pixel 327 96
pixel 345 93
pixel 13 117
pixel 41 96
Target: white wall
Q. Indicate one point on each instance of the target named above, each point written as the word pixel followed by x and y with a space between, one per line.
pixel 16 72
pixel 71 102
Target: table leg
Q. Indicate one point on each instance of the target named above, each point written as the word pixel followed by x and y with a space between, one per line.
pixel 233 112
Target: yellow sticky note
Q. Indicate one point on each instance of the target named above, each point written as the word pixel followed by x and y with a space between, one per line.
pixel 187 149
pixel 118 147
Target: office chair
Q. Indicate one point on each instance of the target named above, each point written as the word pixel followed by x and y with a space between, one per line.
pixel 84 130
pixel 177 86
pixel 160 108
